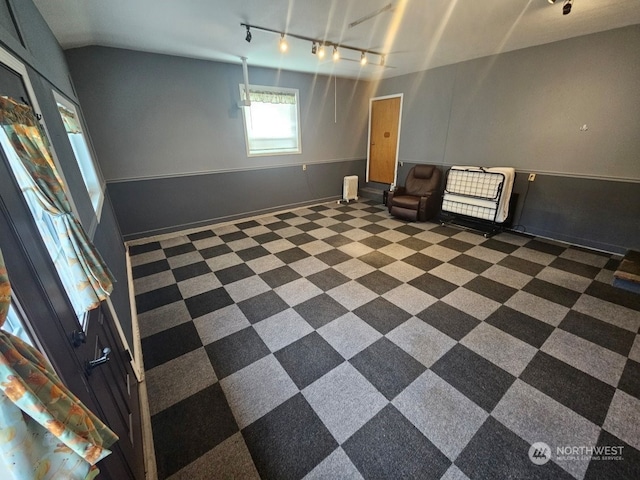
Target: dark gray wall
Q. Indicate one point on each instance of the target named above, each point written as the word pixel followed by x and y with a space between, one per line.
pixel 31 41
pixel 525 109
pixel 171 143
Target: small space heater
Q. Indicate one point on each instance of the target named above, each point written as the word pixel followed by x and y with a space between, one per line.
pixel 350 188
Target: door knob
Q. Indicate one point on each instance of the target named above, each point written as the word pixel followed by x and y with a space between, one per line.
pixel 98 361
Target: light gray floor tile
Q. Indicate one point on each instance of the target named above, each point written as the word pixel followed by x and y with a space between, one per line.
pixel 323 232
pixel 430 237
pixel 207 242
pixel 452 274
pixel 469 237
pixel 246 288
pixel 224 229
pixel 335 466
pixel 298 291
pixel 538 418
pixel 351 295
pixel 174 241
pixel 443 414
pixel 454 473
pixel 564 279
pixel 178 379
pixel 221 323
pixel 512 239
pixel 152 282
pixel 289 232
pixel 534 256
pixel 264 264
pixel 344 400
pixel 257 389
pixel 486 254
pixel 228 460
pixel 242 244
pixel 391 223
pixel 355 249
pixel 162 318
pixel 585 257
pixel 316 247
pixel 420 340
pixel 224 261
pixel 605 276
pixel 147 257
pixel 539 308
pixel 392 235
pixel 197 285
pixel 354 268
pixel 443 254
pixel 278 245
pixel 586 356
pixel 402 271
pixel 397 251
pixel 622 419
pixel 184 259
pixel 281 329
pixel 472 303
pixel 356 234
pixel 506 276
pixel 498 347
pixel 410 298
pixel 254 231
pixel 308 266
pixel 609 312
pixel 349 335
pixel 635 350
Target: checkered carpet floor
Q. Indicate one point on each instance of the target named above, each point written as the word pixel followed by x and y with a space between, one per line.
pixel 337 342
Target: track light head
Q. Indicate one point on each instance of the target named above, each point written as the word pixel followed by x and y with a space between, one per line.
pixel 336 53
pixel 314 48
pixel 363 59
pixel 566 8
pixel 321 52
pixel 284 46
pixel 249 36
pixel 552 1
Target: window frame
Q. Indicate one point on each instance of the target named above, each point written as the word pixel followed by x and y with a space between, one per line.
pixel 246 118
pixel 98 203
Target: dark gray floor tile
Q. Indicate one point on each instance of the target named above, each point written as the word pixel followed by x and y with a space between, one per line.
pixel 423 262
pixel 375 242
pixel 301 238
pixel 521 265
pixel 478 378
pixel 625 468
pixel 169 344
pixel 389 368
pixel 496 452
pixel 542 246
pixel 236 351
pixel 207 302
pixel 630 380
pixel 314 216
pixel 552 292
pixel 376 259
pixel 373 228
pixel 201 235
pixel 320 310
pixel 390 447
pixel 328 279
pixel 289 441
pixel 333 257
pixel 292 255
pixel 337 241
pixel 472 264
pixel 157 298
pixel 233 236
pixel 499 246
pixel 378 282
pixel 262 306
pixel 455 244
pixel 434 286
pixel 604 334
pixel 446 231
pixel 340 227
pixel 277 225
pixel 190 271
pixel 573 388
pixel 253 252
pixel 309 226
pixel 521 326
pixel 615 295
pixel 215 251
pixel 491 289
pixel 408 230
pixel 382 315
pixel 286 215
pixel 577 268
pixel 266 238
pixel 414 244
pixel 187 430
pixel 233 274
pixel 179 249
pixel 308 359
pixel 344 217
pixel 247 225
pixel 449 320
pixel 150 268
pixel 144 248
pixel 279 276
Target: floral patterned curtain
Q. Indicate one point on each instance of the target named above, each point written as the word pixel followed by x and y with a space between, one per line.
pixel 91 281
pixel 46 433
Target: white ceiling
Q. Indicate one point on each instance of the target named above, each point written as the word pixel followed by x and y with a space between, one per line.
pixel 415 34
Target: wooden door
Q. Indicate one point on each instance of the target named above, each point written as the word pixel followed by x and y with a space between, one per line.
pixel 384 132
pixel 111 390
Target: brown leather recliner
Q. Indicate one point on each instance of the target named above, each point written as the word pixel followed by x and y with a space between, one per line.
pixel 419 199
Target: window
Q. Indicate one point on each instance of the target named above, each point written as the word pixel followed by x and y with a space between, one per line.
pixel 272 122
pixel 73 127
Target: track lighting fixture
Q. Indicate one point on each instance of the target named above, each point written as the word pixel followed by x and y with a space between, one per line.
pixel 551 1
pixel 284 46
pixel 336 54
pixel 566 7
pixel 318 46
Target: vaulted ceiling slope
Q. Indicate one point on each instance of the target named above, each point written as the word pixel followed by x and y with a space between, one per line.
pixel 414 35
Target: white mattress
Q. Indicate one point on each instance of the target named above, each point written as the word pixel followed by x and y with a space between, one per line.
pixel 479 192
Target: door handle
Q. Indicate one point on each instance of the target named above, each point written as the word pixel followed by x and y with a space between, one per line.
pixel 98 361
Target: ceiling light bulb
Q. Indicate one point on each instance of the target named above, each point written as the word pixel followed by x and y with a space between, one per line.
pixel 336 54
pixel 363 59
pixel 283 44
pixel 321 52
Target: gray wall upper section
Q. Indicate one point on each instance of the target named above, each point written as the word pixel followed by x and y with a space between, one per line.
pixel 525 109
pixel 157 115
